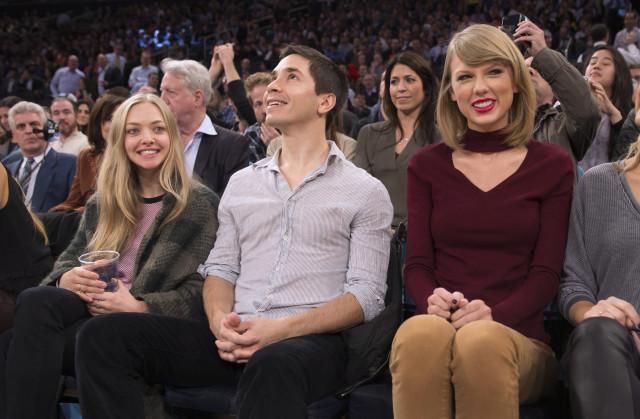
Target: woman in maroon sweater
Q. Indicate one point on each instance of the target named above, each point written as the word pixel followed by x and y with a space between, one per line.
pixel 488 212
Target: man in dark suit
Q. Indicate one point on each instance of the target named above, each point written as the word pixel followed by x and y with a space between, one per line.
pixel 212 153
pixel 44 174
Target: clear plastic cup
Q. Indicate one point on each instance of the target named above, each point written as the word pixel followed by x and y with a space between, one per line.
pixel 105 264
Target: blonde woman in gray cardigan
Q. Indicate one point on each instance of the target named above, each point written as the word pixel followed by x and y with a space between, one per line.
pixel 162 224
pixel 599 292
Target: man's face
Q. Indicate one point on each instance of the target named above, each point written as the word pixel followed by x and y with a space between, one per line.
pixel 153 80
pixel 73 62
pixel 291 98
pixel 368 81
pixel 257 98
pixel 4 118
pixel 630 20
pixel 63 114
pixel 145 58
pixel 180 100
pixel 30 144
pixel 102 60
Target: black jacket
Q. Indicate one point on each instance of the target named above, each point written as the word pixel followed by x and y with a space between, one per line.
pixel 219 157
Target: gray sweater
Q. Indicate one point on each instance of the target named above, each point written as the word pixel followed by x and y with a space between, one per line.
pixel 603 248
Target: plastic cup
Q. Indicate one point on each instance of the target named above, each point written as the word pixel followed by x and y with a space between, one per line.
pixel 105 264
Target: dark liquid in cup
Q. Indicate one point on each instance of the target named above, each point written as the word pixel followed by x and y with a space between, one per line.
pixel 106 274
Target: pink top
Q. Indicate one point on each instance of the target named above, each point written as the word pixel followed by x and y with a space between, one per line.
pixel 150 209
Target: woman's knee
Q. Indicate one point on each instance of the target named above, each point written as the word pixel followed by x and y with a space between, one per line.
pixel 38 296
pixel 40 303
pixel 103 331
pixel 599 328
pixel 599 337
pixel 422 335
pixel 482 339
pixel 423 329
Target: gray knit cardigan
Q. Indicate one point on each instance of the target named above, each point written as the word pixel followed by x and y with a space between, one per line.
pixel 168 257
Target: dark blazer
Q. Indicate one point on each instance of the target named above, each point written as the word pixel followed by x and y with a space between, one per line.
pixel 53 182
pixel 220 156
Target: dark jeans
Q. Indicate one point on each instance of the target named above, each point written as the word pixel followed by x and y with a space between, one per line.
pixel 38 349
pixel 603 366
pixel 117 354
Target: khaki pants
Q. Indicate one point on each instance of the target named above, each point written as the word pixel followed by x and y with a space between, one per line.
pixel 489 367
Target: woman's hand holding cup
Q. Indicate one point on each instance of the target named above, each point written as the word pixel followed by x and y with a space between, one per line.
pixel 83 281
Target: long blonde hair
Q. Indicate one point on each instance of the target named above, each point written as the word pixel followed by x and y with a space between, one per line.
pixel 478 45
pixel 117 185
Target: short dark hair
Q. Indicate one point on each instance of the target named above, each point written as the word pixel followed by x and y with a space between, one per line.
pixel 9 101
pixel 599 32
pixel 103 110
pixel 326 75
pixel 67 98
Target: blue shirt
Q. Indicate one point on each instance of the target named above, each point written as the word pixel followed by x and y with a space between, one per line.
pixel 65 81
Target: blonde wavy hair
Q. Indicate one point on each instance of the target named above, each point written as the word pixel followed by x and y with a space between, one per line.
pixel 478 45
pixel 632 160
pixel 117 185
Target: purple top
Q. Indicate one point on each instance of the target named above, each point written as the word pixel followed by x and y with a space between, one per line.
pixel 150 209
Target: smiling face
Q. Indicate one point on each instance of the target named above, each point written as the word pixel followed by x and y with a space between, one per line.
pixel 601 68
pixel 146 140
pixel 483 93
pixel 291 96
pixel 406 89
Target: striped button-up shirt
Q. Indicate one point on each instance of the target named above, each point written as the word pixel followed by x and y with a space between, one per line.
pixel 287 251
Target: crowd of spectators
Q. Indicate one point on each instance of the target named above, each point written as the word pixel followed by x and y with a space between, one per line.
pixel 36 43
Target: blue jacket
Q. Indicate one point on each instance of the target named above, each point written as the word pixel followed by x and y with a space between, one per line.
pixel 53 182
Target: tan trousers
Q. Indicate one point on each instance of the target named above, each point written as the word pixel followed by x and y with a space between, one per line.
pixel 489 367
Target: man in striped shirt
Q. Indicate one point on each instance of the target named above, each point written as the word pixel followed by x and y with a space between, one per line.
pixel 300 255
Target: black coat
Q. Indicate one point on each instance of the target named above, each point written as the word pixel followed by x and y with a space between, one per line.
pixel 219 157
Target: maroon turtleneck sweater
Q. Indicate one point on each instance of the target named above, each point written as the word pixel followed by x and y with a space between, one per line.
pixel 505 246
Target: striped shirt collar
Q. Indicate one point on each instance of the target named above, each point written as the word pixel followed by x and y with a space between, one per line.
pixel 272 163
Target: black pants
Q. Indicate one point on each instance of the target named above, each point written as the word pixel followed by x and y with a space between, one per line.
pixel 117 354
pixel 38 350
pixel 603 368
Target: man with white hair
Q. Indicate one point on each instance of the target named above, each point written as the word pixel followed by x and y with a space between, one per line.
pixel 44 174
pixel 212 153
pixel 67 79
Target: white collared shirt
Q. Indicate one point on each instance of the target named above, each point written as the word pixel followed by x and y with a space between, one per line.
pixel 192 147
pixel 38 162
